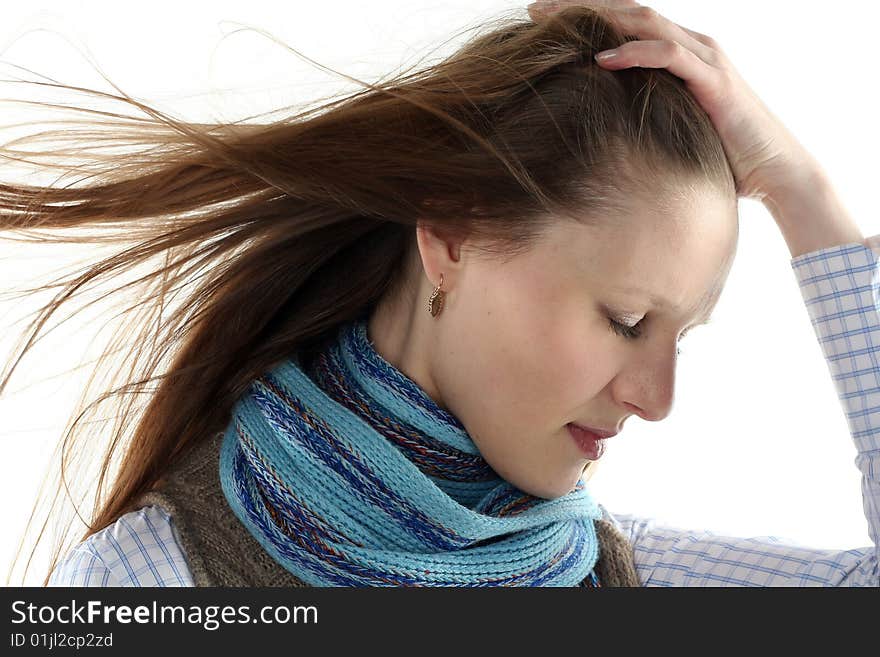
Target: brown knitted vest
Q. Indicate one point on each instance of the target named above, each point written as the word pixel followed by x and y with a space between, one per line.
pixel 220 551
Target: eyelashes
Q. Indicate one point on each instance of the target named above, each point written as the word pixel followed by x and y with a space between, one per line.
pixel 635 332
pixel 629 332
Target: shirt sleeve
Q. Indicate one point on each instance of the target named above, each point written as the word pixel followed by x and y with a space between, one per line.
pixel 841 288
pixel 82 566
pixel 139 549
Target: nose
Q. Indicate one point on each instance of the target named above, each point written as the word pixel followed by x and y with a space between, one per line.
pixel 648 390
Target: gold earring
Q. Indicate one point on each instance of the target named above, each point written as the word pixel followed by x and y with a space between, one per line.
pixel 435 301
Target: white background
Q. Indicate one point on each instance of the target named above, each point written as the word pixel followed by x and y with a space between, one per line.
pixel 757 443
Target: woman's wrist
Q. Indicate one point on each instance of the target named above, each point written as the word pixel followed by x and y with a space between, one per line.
pixel 810 214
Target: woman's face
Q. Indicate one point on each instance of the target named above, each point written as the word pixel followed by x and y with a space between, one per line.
pixel 522 348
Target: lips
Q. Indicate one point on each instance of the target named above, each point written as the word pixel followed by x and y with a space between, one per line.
pixel 602 433
pixel 591 445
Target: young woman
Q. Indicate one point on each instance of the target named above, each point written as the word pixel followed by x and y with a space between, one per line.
pixel 420 313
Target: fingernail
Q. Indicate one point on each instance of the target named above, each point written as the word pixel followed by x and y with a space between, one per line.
pixel 606 55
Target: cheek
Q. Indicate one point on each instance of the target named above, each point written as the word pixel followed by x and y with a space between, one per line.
pixel 520 353
pixel 514 370
pixel 569 370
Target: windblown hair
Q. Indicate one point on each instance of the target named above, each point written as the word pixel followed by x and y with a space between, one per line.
pixel 273 234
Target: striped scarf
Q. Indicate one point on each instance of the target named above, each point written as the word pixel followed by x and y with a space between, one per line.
pixel 350 475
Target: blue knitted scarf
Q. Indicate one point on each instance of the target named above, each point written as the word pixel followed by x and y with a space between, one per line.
pixel 350 475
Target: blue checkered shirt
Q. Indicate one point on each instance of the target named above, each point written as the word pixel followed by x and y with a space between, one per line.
pixel 841 288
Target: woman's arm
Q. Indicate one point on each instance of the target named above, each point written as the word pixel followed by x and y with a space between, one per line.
pixel 83 566
pixel 139 549
pixel 839 285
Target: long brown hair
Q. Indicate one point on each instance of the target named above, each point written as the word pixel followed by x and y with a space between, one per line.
pixel 272 234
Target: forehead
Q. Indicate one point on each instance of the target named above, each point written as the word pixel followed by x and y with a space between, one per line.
pixel 672 255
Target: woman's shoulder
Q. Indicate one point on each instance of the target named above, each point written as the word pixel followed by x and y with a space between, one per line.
pixel 139 549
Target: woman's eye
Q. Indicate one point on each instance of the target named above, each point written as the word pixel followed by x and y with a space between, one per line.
pixel 629 332
pixel 680 338
pixel 633 332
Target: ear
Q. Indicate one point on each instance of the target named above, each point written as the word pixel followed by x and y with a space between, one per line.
pixel 440 253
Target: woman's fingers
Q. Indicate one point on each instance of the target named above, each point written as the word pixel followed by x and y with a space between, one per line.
pixel 671 55
pixel 641 21
pixel 646 22
pixel 761 151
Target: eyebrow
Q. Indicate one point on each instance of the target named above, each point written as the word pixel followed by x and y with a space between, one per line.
pixel 662 302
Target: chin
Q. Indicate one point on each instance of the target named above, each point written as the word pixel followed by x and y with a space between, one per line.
pixel 554 491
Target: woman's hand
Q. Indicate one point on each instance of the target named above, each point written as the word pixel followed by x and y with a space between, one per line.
pixel 764 156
